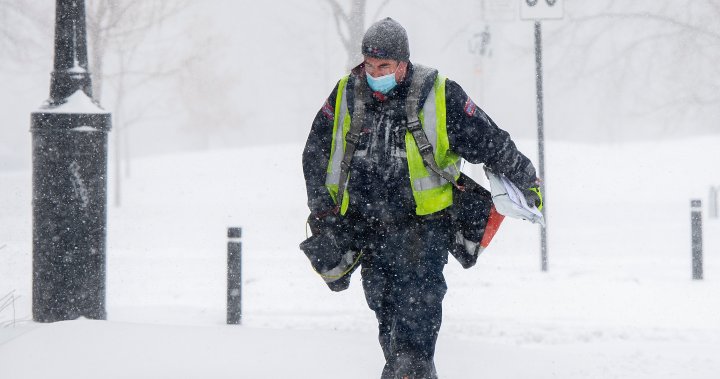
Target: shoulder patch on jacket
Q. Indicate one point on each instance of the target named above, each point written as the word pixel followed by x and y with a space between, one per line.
pixel 328 110
pixel 470 107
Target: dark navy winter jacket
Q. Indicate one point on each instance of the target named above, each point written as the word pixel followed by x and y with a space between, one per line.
pixel 379 184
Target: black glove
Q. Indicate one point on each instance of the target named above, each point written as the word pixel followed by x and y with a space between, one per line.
pixel 326 222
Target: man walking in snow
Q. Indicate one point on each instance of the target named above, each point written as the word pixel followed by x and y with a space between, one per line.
pixel 372 187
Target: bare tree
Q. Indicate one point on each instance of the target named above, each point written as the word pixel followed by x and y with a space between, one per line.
pixel 129 51
pixel 661 57
pixel 120 27
pixel 18 21
pixel 350 25
pixel 118 35
pixel 208 103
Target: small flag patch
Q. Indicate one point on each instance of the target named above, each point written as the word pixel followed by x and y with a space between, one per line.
pixel 470 107
pixel 328 110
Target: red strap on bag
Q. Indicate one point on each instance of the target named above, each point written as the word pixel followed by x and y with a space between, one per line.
pixel 493 224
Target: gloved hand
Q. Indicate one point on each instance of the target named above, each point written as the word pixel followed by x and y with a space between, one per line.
pixel 533 196
pixel 327 222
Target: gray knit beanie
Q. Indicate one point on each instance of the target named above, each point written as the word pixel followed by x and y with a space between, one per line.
pixel 386 39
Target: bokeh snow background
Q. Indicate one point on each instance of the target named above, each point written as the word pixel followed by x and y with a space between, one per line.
pixel 617 302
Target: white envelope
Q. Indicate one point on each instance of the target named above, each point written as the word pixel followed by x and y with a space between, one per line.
pixel 509 200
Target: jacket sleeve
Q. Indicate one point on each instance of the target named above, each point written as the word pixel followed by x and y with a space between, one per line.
pixel 477 139
pixel 316 156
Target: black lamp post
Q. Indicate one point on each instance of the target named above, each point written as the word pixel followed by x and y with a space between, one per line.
pixel 69 136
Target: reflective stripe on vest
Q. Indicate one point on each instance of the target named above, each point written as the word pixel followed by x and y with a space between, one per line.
pixel 341 119
pixel 431 192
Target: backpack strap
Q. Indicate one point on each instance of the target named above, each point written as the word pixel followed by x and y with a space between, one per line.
pixel 361 90
pixel 421 76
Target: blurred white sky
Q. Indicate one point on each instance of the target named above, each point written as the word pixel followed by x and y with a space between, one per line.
pixel 608 76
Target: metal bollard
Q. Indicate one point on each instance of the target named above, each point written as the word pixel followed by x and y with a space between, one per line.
pixel 234 276
pixel 696 231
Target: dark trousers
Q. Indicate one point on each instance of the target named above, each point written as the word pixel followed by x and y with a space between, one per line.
pixel 402 275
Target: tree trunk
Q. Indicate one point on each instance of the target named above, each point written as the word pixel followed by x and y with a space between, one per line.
pixel 96 14
pixel 356 30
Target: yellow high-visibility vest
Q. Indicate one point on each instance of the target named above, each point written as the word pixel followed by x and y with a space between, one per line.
pixel 431 192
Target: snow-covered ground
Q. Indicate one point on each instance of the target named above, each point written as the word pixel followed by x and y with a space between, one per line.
pixel 617 302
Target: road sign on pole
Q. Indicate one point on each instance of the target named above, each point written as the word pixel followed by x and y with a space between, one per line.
pixel 541 9
pixel 537 10
pixel 541 143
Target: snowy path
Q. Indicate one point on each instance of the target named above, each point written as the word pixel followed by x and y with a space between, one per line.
pixel 92 349
pixel 617 302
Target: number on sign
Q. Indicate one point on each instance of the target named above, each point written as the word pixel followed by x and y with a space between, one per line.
pixel 532 3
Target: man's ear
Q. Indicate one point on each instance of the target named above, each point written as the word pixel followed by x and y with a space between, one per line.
pixel 401 71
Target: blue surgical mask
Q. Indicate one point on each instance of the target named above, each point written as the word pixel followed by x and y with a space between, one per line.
pixel 382 84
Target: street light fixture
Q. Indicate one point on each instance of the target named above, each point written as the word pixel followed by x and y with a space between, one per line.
pixel 69 148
